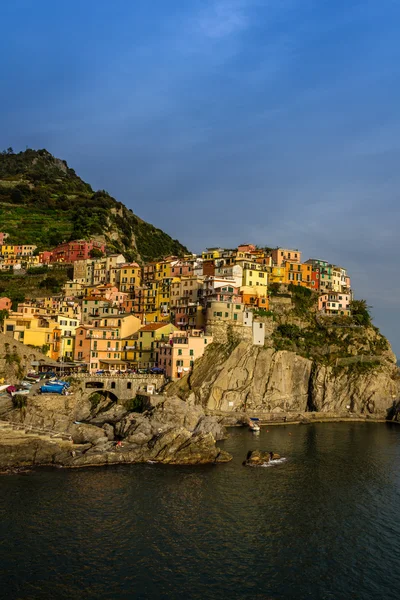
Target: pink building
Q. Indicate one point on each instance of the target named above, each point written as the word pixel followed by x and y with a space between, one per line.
pixel 281 255
pixel 181 268
pixel 177 357
pixel 334 303
pixel 246 248
pixel 3 236
pixel 77 250
pixel 45 257
pixel 5 303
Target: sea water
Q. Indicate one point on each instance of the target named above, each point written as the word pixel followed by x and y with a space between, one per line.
pixel 321 524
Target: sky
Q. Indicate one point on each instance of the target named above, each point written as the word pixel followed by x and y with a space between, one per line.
pixel 274 122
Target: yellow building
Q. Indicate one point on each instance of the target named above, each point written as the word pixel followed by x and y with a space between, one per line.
pixel 212 253
pixel 254 274
pixel 277 275
pixel 141 350
pixel 130 276
pixel 32 330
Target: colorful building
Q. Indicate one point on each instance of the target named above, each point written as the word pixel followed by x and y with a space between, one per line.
pixel 69 252
pixel 140 350
pixel 335 303
pixel 281 255
pixel 5 303
pixel 178 355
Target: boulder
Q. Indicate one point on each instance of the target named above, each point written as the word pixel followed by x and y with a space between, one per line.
pixel 88 433
pixel 180 446
pixel 109 431
pixel 256 458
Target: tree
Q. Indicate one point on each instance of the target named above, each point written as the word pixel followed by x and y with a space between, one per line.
pixel 50 283
pixel 96 253
pixel 360 312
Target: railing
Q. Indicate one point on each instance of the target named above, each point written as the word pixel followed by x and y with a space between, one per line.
pixel 110 375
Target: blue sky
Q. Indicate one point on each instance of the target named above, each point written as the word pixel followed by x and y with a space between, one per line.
pixel 224 121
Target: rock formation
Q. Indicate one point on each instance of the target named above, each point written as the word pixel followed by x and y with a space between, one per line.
pixel 263 379
pixel 257 458
pixel 67 431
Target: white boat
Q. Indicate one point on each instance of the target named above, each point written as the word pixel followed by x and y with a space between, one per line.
pixel 20 393
pixel 254 427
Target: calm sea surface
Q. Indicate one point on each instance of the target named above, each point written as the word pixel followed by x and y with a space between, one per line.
pixel 324 524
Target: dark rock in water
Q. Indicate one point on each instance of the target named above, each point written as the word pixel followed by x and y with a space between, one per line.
pixel 256 458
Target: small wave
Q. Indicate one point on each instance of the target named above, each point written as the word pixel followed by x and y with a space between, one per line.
pixel 272 463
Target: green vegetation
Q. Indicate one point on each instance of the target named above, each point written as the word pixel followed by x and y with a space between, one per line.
pixel 44 202
pixel 95 399
pixel 20 400
pixel 359 367
pixel 135 405
pixel 360 312
pixel 19 287
pixel 304 300
pixel 12 358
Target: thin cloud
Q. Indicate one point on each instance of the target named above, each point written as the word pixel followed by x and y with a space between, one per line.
pixel 224 18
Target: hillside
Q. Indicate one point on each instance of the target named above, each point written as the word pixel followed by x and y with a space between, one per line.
pixel 44 202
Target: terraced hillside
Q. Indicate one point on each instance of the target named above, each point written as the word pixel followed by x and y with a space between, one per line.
pixel 44 202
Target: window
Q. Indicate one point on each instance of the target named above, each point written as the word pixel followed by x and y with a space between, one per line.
pixel 191 352
pixel 113 385
pixel 226 315
pixel 235 316
pixel 179 352
pixel 129 385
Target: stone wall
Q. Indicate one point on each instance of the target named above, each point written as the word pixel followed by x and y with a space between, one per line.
pixel 223 331
pixel 122 386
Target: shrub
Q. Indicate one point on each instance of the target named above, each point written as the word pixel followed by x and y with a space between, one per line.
pixel 95 399
pixel 20 400
pixel 293 332
pixel 135 405
pixel 360 312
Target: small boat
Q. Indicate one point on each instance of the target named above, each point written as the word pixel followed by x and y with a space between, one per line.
pixel 254 426
pixel 20 393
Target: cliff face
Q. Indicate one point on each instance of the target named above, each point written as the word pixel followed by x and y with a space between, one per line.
pixel 267 380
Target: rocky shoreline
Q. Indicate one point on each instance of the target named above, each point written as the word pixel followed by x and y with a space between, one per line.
pixel 69 432
pixel 175 432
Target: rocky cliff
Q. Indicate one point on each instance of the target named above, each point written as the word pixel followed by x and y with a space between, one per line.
pixel 307 365
pixel 255 379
